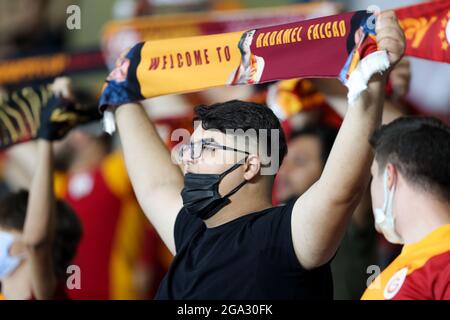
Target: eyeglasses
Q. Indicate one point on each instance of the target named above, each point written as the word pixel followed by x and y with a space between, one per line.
pixel 195 149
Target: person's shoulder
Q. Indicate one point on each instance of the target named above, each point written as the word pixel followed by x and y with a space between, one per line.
pixel 431 280
pixel 276 212
pixel 441 288
pixel 271 232
pixel 438 266
pixel 272 221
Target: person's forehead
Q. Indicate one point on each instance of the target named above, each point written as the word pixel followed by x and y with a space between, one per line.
pixel 304 144
pixel 218 136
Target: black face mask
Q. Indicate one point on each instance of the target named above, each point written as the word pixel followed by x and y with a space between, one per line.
pixel 201 196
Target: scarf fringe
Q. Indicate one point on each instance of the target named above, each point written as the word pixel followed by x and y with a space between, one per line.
pixel 376 62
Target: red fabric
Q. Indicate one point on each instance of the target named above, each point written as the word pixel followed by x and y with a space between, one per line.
pixel 98 208
pixel 425 29
pixel 430 282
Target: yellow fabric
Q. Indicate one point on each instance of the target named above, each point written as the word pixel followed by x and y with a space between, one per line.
pixel 113 170
pixel 413 256
pixel 296 95
pixel 115 174
pixel 60 184
pixel 213 71
pixel 126 251
pixel 130 231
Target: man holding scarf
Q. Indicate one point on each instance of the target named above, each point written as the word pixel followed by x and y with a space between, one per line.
pixel 228 240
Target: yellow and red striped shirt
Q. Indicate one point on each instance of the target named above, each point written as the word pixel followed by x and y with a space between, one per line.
pixel 116 234
pixel 420 272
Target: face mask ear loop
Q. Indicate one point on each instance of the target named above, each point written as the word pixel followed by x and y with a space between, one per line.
pixel 229 194
pixel 390 198
pixel 380 214
pixel 385 191
pixel 234 167
pixel 240 163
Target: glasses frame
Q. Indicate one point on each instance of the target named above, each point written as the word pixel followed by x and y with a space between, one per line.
pixel 205 143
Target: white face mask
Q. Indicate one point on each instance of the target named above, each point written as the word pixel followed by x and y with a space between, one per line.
pixel 8 263
pixel 384 217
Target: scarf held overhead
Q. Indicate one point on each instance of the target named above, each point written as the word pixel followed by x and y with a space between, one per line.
pixel 341 46
pixel 322 47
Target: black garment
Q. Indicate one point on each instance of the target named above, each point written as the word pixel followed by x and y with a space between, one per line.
pixel 349 267
pixel 251 257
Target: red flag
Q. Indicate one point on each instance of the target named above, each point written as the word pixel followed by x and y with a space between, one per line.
pixel 427 30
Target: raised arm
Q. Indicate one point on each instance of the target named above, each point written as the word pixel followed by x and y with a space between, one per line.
pixel 39 224
pixel 40 221
pixel 156 181
pixel 321 214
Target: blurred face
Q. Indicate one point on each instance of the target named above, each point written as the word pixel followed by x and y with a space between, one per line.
pixel 65 151
pixel 216 160
pixel 301 167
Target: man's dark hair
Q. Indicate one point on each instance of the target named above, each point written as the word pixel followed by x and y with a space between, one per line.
pixel 13 209
pixel 359 18
pixel 419 147
pixel 236 114
pixel 325 134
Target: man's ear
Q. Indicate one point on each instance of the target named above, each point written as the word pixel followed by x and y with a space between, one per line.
pixel 391 175
pixel 252 167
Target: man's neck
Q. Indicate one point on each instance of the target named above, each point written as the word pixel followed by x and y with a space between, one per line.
pixel 239 207
pixel 429 215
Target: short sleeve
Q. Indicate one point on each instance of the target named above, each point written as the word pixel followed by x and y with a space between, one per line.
pixel 273 236
pixel 185 227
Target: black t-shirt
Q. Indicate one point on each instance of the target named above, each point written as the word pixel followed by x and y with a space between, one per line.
pixel 251 257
